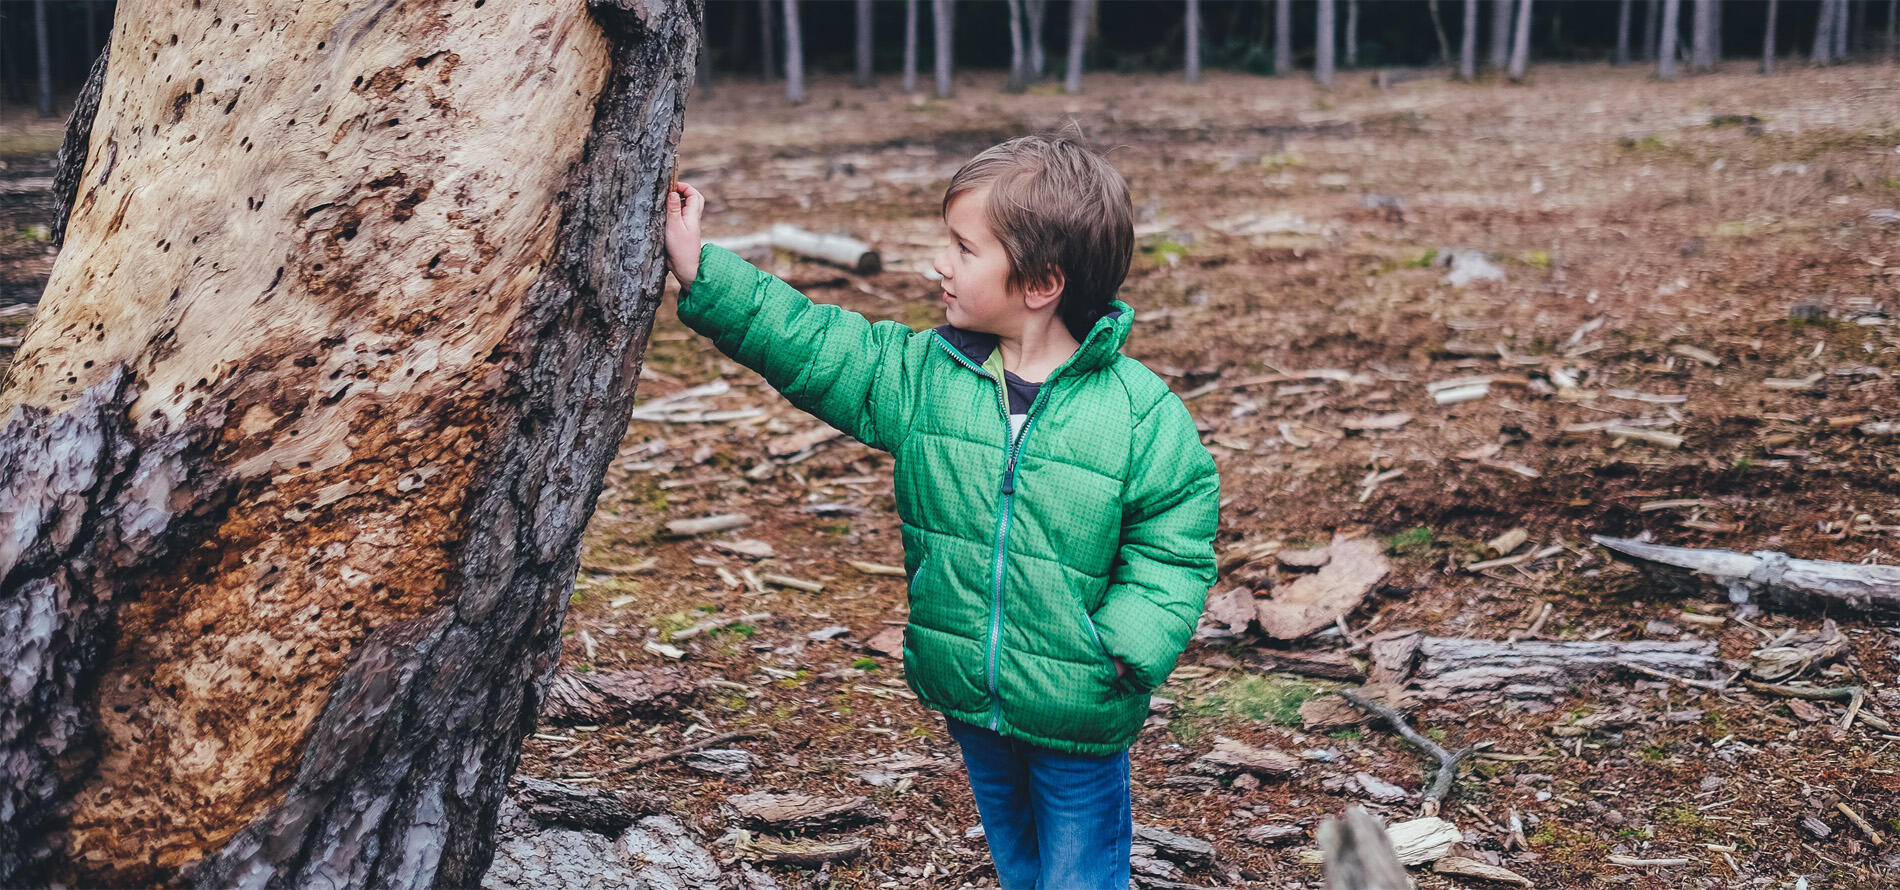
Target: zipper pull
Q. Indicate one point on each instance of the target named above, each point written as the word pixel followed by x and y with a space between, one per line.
pixel 1009 476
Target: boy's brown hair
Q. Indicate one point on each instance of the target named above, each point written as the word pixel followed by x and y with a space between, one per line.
pixel 1056 204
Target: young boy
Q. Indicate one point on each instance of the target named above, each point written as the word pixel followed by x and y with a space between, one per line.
pixel 1058 508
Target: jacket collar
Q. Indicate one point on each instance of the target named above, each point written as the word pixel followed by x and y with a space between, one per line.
pixel 1099 348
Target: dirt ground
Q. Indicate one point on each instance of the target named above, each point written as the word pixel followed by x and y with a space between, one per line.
pixel 1699 259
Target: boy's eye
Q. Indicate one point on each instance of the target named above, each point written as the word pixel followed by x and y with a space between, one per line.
pixel 960 246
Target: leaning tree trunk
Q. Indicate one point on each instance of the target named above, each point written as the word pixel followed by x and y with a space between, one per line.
pixel 1079 12
pixel 864 76
pixel 1501 33
pixel 1192 49
pixel 1521 43
pixel 794 56
pixel 944 26
pixel 1666 39
pixel 1623 10
pixel 1468 43
pixel 1282 37
pixel 1438 31
pixel 299 449
pixel 1702 37
pixel 910 46
pixel 1324 40
pixel 1768 39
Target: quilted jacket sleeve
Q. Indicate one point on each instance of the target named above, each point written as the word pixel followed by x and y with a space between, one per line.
pixel 1166 564
pixel 843 368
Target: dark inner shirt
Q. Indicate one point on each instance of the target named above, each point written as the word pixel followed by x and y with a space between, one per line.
pixel 1021 392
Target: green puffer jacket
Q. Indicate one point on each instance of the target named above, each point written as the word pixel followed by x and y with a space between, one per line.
pixel 1030 565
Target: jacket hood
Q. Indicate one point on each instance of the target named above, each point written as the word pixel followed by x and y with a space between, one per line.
pixel 1099 348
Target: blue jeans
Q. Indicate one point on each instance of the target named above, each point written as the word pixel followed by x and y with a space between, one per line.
pixel 1053 821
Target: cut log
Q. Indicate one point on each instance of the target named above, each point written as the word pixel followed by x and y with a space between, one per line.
pixel 1766 575
pixel 1353 569
pixel 614 696
pixel 300 446
pixel 838 250
pixel 1449 667
pixel 802 813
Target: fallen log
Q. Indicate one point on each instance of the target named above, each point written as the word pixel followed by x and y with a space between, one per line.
pixel 839 250
pixel 802 813
pixel 614 696
pixel 1766 575
pixel 1450 667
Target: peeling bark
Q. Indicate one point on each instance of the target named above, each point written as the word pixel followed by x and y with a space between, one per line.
pixel 300 446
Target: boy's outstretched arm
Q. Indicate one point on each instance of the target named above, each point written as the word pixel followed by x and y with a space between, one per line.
pixel 1166 565
pixel 834 363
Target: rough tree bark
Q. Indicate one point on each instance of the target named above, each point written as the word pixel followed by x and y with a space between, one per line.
pixel 298 451
pixel 1623 11
pixel 1768 39
pixel 1521 43
pixel 1192 49
pixel 1282 37
pixel 1666 39
pixel 944 25
pixel 864 77
pixel 1501 33
pixel 794 56
pixel 1324 39
pixel 1079 12
pixel 910 46
pixel 1468 43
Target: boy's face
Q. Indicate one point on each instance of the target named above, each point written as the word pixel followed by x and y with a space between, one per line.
pixel 975 269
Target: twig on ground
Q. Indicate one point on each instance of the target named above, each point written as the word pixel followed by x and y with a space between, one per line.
pixel 1448 761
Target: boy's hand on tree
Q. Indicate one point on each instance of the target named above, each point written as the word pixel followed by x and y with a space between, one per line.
pixel 683 207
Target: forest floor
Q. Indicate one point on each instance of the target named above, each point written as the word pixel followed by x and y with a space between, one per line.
pixel 1701 259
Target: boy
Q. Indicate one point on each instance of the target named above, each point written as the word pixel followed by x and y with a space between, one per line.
pixel 1058 508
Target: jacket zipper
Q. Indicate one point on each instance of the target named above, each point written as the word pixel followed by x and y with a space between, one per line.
pixel 1002 520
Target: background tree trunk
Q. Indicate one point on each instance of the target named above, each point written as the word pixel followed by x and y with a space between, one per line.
pixel 1715 33
pixel 1768 39
pixel 1018 63
pixel 1192 29
pixel 302 524
pixel 1079 12
pixel 1823 52
pixel 1323 42
pixel 43 57
pixel 768 40
pixel 1352 33
pixel 1468 43
pixel 1622 54
pixel 1652 24
pixel 942 21
pixel 1501 33
pixel 1438 31
pixel 1893 30
pixel 702 69
pixel 1521 44
pixel 1038 60
pixel 1282 37
pixel 864 76
pixel 794 56
pixel 1841 14
pixel 1702 45
pixel 910 46
pixel 1666 39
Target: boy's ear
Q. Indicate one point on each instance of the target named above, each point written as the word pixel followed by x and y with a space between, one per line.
pixel 1045 292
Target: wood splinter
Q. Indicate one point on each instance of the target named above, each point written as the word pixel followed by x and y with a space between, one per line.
pixel 1448 761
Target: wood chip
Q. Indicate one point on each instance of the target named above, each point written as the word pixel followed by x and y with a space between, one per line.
pixel 685 528
pixel 1354 570
pixel 789 581
pixel 873 568
pixel 1697 353
pixel 1461 867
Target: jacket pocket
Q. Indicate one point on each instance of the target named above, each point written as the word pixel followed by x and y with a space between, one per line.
pixel 1110 677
